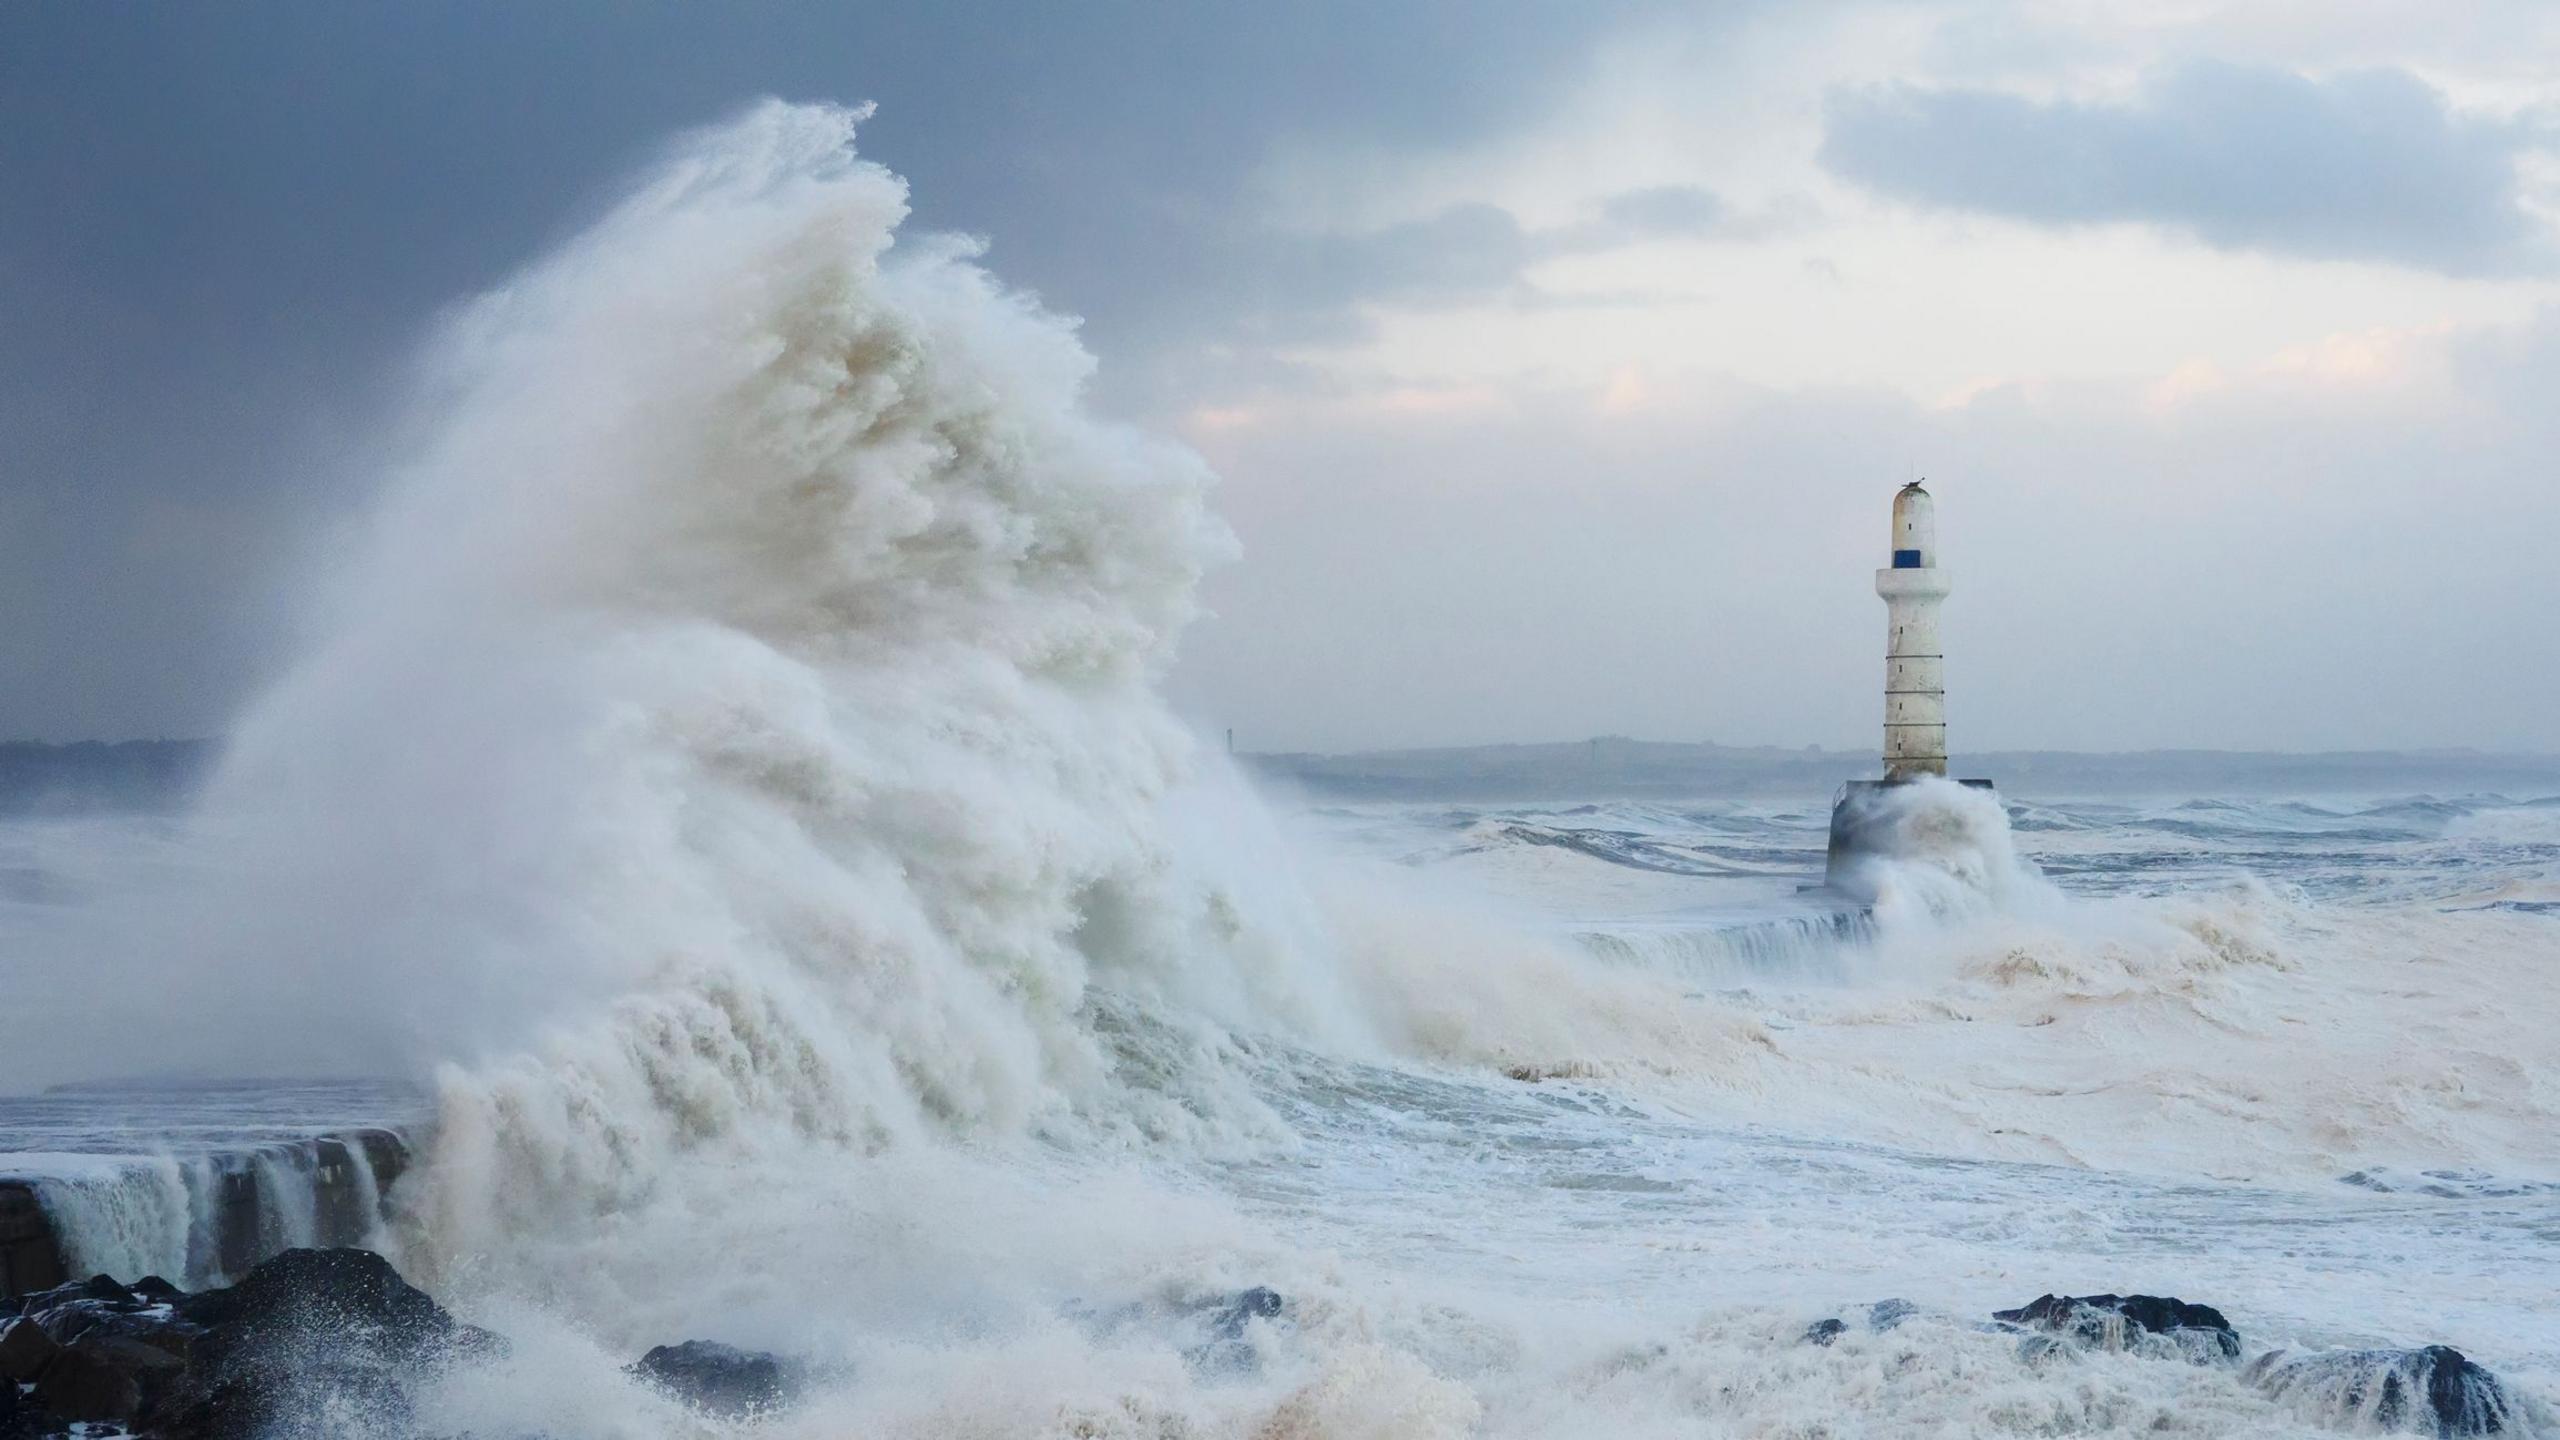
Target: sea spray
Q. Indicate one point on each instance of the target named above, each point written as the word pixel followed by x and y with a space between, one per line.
pixel 1944 852
pixel 736 752
pixel 733 761
pixel 2190 1018
pixel 732 764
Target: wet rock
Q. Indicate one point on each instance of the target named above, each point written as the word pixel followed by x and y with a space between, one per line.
pixel 312 1343
pixel 2039 1352
pixel 57 1308
pixel 1259 1303
pixel 96 1287
pixel 1880 1317
pixel 2119 1322
pixel 1215 1333
pixel 154 1290
pixel 160 1330
pixel 80 1384
pixel 353 1298
pixel 1228 1348
pixel 721 1379
pixel 2436 1388
pixel 153 1371
pixel 100 1307
pixel 157 1326
pixel 24 1349
pixel 94 1351
pixel 321 1399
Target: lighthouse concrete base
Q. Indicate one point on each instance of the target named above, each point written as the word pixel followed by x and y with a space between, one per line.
pixel 1862 830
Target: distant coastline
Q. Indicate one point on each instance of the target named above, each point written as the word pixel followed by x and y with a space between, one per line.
pixel 1616 768
pixel 157 776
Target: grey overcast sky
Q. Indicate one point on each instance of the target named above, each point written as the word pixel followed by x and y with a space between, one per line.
pixel 1559 358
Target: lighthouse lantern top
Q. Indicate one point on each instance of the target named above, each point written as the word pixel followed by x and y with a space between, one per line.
pixel 1915 529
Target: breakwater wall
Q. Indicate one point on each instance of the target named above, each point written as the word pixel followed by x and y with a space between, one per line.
pixel 1789 950
pixel 195 1220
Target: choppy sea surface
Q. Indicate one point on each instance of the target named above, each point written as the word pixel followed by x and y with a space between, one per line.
pixel 728 777
pixel 2139 1065
pixel 1590 1196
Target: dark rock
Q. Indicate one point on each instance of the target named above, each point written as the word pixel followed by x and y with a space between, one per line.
pixel 153 1289
pixel 2437 1387
pixel 99 1287
pixel 354 1295
pixel 2117 1322
pixel 320 1399
pixel 1881 1316
pixel 81 1384
pixel 158 1329
pixel 2039 1351
pixel 96 1290
pixel 24 1349
pixel 156 1325
pixel 1227 1348
pixel 99 1309
pixel 154 1371
pixel 721 1379
pixel 311 1343
pixel 1259 1303
pixel 1213 1331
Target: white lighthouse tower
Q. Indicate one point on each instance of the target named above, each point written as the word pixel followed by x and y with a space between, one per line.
pixel 1915 680
pixel 1915 696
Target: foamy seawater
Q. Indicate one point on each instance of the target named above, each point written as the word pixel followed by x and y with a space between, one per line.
pixel 730 778
pixel 2160 1151
pixel 1638 1238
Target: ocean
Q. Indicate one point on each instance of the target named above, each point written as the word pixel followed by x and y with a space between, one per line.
pixel 728 810
pixel 1650 1112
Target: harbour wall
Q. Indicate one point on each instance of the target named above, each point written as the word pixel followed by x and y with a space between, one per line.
pixel 194 1220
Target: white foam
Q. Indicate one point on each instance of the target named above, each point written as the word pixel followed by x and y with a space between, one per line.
pixel 732 762
pixel 126 1216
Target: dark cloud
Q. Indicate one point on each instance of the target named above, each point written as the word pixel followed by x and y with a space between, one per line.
pixel 1326 287
pixel 222 227
pixel 2367 165
pixel 1296 288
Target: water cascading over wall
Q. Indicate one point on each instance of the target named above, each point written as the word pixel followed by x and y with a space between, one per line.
pixel 198 1220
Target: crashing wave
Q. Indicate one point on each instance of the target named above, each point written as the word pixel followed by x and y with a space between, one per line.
pixel 738 742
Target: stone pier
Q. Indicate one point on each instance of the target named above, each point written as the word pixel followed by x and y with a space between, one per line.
pixel 232 1207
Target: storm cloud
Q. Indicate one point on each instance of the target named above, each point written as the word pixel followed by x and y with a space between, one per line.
pixel 224 228
pixel 1554 374
pixel 2368 165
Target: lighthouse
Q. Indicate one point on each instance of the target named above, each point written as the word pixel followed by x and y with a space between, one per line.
pixel 1915 680
pixel 1912 585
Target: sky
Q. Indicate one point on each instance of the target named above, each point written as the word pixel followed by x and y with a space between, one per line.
pixel 1559 360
